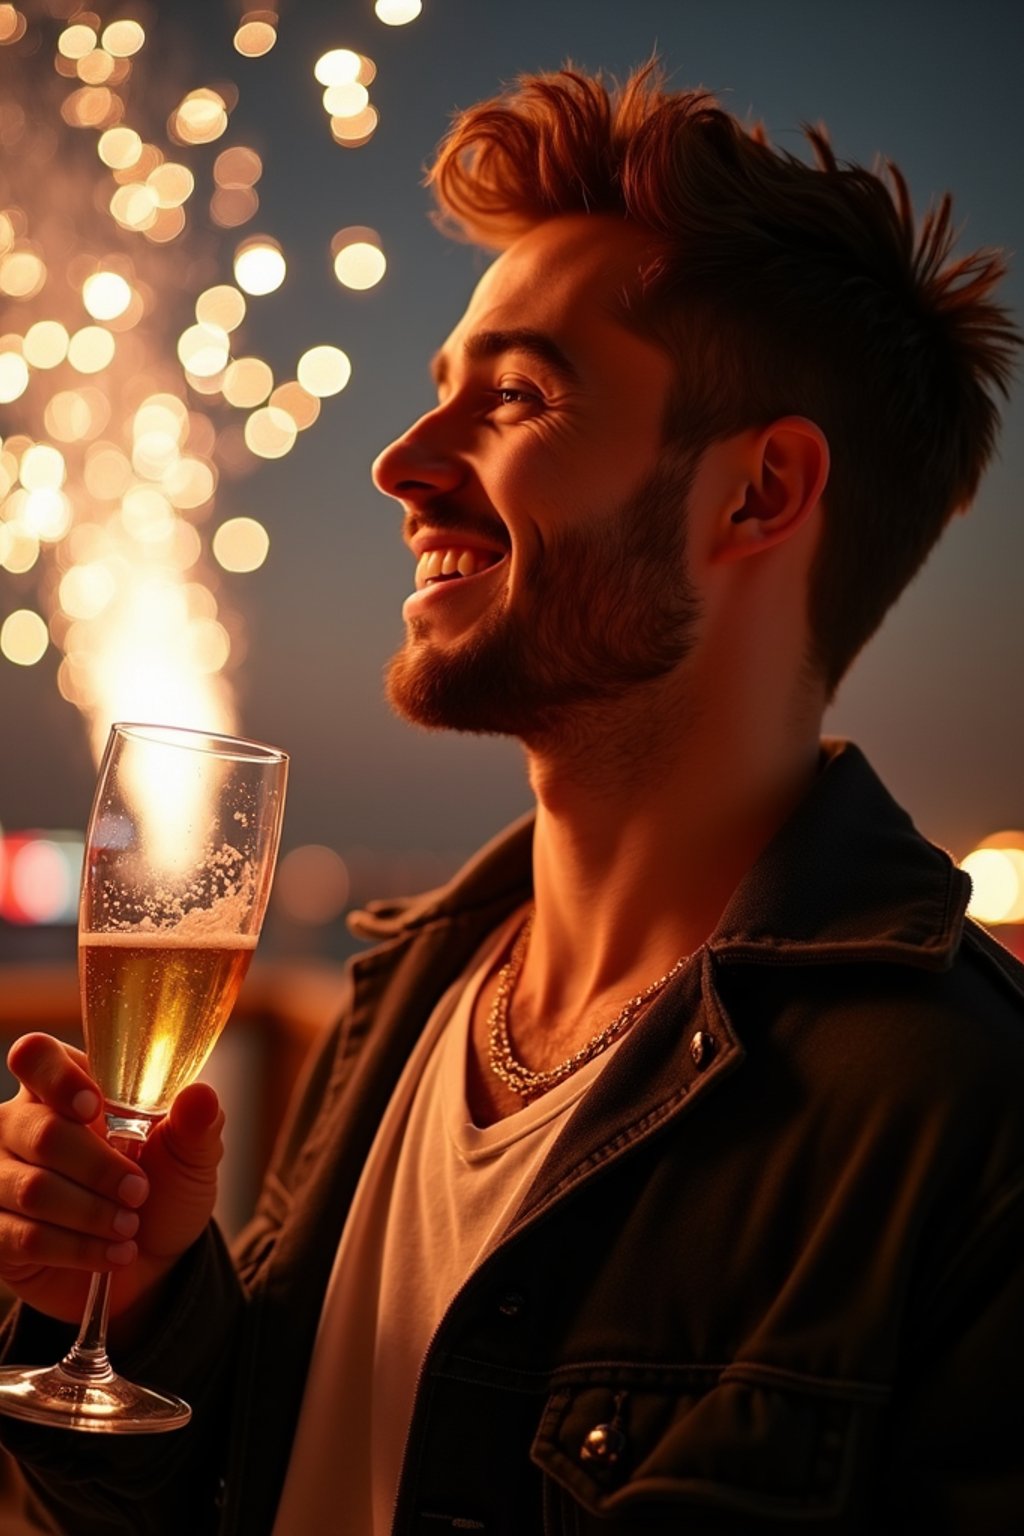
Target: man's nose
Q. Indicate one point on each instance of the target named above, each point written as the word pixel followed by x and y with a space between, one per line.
pixel 417 464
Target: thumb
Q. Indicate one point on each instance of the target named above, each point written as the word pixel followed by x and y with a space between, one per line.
pixel 186 1144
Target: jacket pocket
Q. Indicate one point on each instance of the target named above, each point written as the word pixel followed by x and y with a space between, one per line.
pixel 627 1443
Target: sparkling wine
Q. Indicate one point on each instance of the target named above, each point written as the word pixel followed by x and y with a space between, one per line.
pixel 154 1005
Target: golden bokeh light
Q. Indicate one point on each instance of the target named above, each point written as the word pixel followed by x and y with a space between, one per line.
pixel 311 884
pixel 24 637
pixel 134 206
pixel 296 402
pixel 222 306
pixel 210 645
pixel 270 433
pixel 396 13
pixel 20 549
pixel 367 70
pixel 119 148
pixel 13 376
pixel 340 66
pixel 123 38
pixel 255 38
pixel 76 41
pixel 241 544
pixel 360 264
pixel 92 106
pixel 86 590
pixel 147 515
pixel 95 68
pixel 324 370
pixel 353 132
pixel 46 514
pixel 200 118
pixel 232 206
pixel 46 344
pixel 346 100
pixel 12 24
pixel 42 468
pixel 167 225
pixel 171 184
pixel 107 473
pixel 106 295
pixel 91 349
pixel 247 382
pixel 997 880
pixel 22 274
pixel 73 416
pixel 189 483
pixel 259 265
pixel 204 350
pixel 237 167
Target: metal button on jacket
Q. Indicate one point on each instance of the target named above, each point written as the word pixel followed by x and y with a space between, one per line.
pixel 603 1444
pixel 702 1048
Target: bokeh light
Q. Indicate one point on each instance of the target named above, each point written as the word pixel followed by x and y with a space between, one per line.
pixel 106 295
pixel 311 884
pixel 359 264
pixel 260 266
pixel 270 433
pixel 221 306
pixel 46 344
pixel 241 544
pixel 91 349
pixel 324 370
pixel 200 118
pixel 340 66
pixel 396 13
pixel 996 869
pixel 247 382
pixel 255 38
pixel 24 637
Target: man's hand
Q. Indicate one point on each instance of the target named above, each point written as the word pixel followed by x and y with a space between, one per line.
pixel 70 1204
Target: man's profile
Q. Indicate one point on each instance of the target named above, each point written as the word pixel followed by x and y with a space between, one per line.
pixel 663 1171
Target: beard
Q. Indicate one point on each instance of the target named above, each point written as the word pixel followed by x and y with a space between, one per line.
pixel 609 607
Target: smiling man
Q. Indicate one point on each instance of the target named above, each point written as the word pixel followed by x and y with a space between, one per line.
pixel 664 1171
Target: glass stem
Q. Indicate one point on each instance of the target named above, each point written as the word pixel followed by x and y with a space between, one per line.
pixel 87 1360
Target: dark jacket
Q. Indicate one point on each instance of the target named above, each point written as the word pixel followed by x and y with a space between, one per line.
pixel 771 1274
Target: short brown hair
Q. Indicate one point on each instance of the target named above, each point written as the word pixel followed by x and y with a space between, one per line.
pixel 780 288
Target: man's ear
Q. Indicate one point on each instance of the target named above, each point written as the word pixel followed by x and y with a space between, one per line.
pixel 786 468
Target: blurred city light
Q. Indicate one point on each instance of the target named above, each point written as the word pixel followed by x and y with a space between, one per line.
pixel 996 868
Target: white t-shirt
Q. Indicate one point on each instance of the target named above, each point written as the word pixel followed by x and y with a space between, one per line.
pixel 435 1196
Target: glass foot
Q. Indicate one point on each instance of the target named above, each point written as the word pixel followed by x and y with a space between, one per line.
pixel 109 1405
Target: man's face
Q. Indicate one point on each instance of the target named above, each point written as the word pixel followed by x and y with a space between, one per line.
pixel 547 520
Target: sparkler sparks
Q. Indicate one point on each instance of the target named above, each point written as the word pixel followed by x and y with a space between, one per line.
pixel 127 405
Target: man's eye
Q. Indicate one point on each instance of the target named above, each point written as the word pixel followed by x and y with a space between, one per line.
pixel 511 396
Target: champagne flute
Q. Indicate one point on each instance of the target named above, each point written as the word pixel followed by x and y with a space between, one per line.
pixel 179 859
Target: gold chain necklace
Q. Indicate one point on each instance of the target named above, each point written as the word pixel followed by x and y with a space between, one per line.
pixel 502 1059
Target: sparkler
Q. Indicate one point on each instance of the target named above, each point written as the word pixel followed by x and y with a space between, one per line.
pixel 120 420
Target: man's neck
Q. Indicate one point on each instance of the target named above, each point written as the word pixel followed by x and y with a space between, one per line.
pixel 638 849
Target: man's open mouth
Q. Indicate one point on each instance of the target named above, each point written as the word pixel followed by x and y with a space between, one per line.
pixel 453 564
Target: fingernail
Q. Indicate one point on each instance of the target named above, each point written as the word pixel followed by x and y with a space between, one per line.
pixel 121 1253
pixel 125 1223
pixel 86 1104
pixel 132 1189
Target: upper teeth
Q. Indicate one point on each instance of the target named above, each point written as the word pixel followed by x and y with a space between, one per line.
pixel 450 562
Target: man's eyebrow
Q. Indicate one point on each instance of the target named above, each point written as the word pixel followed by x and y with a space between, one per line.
pixel 485 344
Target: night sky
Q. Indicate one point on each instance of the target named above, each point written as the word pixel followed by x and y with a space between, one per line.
pixel 935 86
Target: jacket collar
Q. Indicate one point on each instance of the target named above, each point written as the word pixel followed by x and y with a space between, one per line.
pixel 848 877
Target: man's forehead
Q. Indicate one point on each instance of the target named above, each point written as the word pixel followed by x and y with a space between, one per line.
pixel 561 277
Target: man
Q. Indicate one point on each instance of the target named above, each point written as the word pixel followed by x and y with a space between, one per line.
pixel 664 1172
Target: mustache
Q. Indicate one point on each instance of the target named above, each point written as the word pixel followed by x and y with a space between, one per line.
pixel 445 519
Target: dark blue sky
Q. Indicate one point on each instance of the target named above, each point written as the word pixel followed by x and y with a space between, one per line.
pixel 934 700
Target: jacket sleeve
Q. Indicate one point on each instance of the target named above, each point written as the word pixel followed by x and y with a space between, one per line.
pixel 141 1485
pixel 957 1467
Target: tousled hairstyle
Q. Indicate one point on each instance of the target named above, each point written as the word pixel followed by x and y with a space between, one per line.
pixel 779 288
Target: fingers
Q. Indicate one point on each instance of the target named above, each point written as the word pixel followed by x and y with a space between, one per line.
pixel 33 1135
pixel 56 1075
